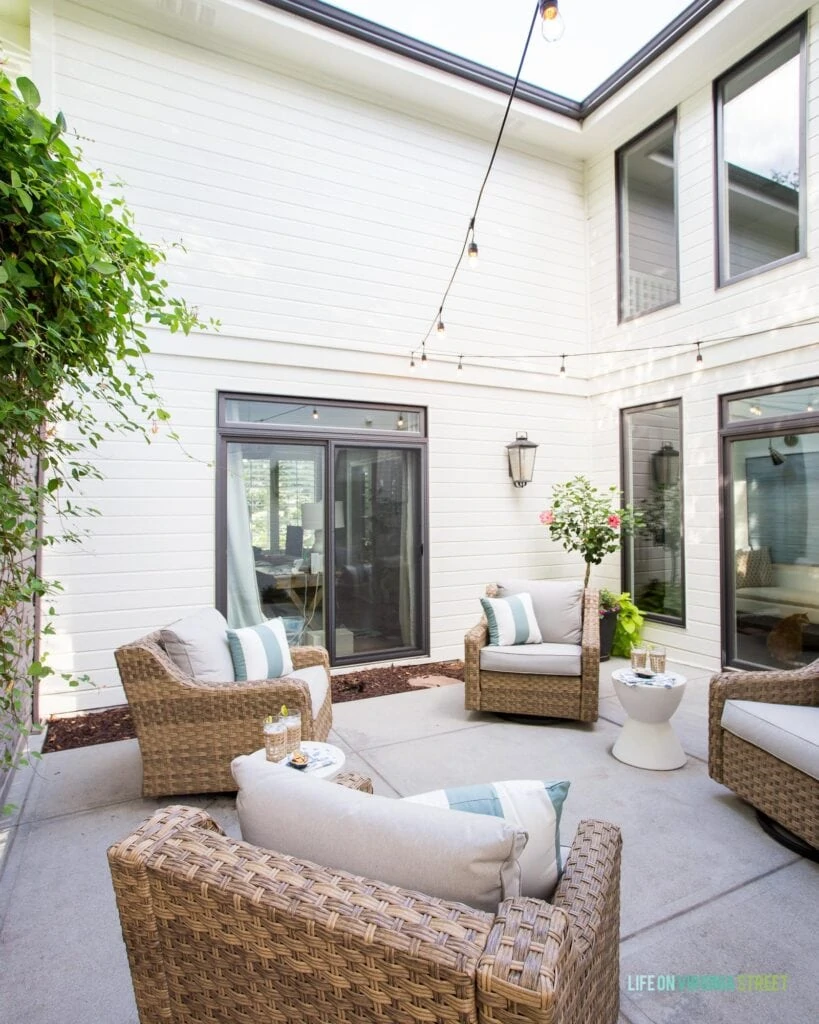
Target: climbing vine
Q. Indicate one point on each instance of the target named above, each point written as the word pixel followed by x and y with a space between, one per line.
pixel 78 288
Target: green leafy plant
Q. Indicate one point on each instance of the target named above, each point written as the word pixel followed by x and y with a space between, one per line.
pixel 582 519
pixel 78 288
pixel 629 631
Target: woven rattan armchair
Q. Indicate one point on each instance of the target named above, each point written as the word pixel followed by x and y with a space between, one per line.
pixel 783 793
pixel 543 695
pixel 190 731
pixel 222 932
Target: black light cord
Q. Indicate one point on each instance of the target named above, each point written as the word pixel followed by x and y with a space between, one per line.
pixel 471 229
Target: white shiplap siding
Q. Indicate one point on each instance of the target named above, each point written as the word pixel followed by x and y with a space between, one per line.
pixel 320 226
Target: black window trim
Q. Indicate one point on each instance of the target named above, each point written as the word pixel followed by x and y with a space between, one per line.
pixel 678 621
pixel 231 431
pixel 746 430
pixel 619 186
pixel 800 26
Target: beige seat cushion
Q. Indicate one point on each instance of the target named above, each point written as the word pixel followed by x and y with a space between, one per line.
pixel 198 645
pixel 470 858
pixel 533 659
pixel 558 606
pixel 789 732
pixel 317 682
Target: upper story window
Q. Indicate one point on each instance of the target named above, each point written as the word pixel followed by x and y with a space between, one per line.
pixel 760 119
pixel 647 220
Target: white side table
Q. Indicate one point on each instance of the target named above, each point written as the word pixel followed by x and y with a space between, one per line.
pixel 647 739
pixel 326 759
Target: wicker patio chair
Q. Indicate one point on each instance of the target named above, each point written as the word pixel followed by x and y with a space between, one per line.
pixel 776 789
pixel 553 696
pixel 222 932
pixel 190 731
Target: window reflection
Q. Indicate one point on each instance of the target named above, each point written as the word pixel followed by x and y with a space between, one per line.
pixel 761 158
pixel 648 222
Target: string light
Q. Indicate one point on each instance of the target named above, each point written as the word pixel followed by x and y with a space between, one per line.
pixel 399 423
pixel 460 362
pixel 552 25
pixel 563 365
pixel 469 245
pixel 699 356
pixel 154 427
pixel 472 251
pixel 412 360
pixel 440 328
pixel 315 413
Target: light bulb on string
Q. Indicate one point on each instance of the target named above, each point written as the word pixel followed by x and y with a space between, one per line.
pixel 552 25
pixel 699 364
pixel 460 362
pixel 563 366
pixel 315 414
pixel 423 355
pixel 412 360
pixel 439 327
pixel 472 249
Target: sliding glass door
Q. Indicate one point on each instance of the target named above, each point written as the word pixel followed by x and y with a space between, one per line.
pixel 347 574
pixel 771 523
pixel 378 549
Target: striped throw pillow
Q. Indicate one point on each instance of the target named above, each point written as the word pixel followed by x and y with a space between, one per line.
pixel 511 620
pixel 530 804
pixel 260 652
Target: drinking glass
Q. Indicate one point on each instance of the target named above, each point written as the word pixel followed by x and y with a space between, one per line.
pixel 639 658
pixel 293 723
pixel 656 659
pixel 275 737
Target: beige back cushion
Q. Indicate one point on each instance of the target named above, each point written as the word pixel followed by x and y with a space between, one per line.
pixel 469 858
pixel 558 606
pixel 198 645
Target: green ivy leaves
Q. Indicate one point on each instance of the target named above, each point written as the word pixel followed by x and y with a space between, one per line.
pixel 77 288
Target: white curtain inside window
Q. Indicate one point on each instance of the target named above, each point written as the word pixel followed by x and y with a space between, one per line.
pixel 243 605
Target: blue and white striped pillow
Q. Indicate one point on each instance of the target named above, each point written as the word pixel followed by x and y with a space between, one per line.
pixel 530 804
pixel 260 652
pixel 511 620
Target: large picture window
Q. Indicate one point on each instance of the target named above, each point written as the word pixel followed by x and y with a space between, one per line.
pixel 654 556
pixel 760 119
pixel 647 221
pixel 770 458
pixel 348 574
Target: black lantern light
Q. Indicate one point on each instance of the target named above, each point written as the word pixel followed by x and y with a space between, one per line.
pixel 521 459
pixel 665 465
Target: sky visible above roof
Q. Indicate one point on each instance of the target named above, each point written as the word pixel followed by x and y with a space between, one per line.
pixel 600 35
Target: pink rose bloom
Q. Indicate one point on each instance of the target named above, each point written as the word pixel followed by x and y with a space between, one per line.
pixel 614 521
pixel 547 517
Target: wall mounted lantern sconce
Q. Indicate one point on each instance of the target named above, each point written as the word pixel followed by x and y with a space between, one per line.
pixel 665 465
pixel 521 459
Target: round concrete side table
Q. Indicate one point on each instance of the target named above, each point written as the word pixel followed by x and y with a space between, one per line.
pixel 647 739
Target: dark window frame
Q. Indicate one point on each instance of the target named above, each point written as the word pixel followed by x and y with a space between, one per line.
pixel 749 430
pixel 239 432
pixel 620 194
pixel 722 274
pixel 680 620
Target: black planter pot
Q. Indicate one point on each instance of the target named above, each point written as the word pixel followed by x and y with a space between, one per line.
pixel 608 624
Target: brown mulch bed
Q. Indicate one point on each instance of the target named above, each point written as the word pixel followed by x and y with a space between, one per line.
pixel 91 727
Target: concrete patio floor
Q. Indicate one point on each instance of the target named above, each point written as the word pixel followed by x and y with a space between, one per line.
pixel 705 892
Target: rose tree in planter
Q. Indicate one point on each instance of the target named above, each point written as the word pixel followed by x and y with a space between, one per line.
pixel 582 519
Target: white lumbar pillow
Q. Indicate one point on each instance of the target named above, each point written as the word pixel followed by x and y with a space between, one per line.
pixel 468 858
